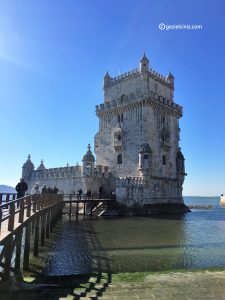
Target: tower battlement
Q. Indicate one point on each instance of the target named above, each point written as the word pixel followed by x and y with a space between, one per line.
pixel 135 73
pixel 141 80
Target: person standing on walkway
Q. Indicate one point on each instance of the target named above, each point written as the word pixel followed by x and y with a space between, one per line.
pixel 44 189
pixel 55 190
pixel 35 190
pixel 21 188
pixel 88 194
pixel 80 192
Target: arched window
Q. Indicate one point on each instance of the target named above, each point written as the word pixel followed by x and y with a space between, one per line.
pixel 119 159
pixel 120 118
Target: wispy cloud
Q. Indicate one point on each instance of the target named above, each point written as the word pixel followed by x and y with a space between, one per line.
pixel 19 62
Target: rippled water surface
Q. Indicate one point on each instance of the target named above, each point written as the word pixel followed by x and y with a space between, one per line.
pixel 192 240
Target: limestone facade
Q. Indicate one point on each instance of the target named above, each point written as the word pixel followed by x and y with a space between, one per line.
pixel 137 145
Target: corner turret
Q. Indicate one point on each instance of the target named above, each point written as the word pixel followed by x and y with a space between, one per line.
pixel 180 165
pixel 27 169
pixel 170 79
pixel 145 157
pixel 144 64
pixel 106 81
pixel 41 167
pixel 88 162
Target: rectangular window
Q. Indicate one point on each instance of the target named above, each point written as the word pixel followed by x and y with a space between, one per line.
pixel 164 160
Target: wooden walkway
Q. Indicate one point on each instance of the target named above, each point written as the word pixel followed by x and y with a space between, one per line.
pixel 22 221
pixel 30 220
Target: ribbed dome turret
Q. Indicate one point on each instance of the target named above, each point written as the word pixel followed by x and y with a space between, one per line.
pixel 88 156
pixel 28 168
pixel 145 148
pixel 41 167
pixel 28 163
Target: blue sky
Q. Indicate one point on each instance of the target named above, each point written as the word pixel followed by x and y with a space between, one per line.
pixel 53 55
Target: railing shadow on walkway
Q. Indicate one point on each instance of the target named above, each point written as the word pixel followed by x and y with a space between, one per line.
pixel 92 285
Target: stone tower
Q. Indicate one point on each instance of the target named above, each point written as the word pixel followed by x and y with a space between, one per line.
pixel 138 135
pixel 138 157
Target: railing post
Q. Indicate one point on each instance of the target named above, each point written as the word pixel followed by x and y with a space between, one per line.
pixel 77 211
pixel 7 200
pixel 60 209
pixel 70 213
pixel 11 216
pixel 19 236
pixel 8 256
pixel 26 259
pixel 91 208
pixel 28 202
pixel 34 204
pixel 0 218
pixel 21 213
pixel 84 209
pixel 36 234
pixel 48 223
pixel 40 197
pixel 1 196
pixel 37 199
pixel 43 220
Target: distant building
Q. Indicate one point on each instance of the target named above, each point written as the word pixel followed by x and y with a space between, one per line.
pixel 137 147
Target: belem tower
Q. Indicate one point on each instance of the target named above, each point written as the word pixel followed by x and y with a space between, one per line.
pixel 137 153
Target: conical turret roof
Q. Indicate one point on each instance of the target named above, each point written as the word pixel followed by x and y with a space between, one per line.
pixel 88 156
